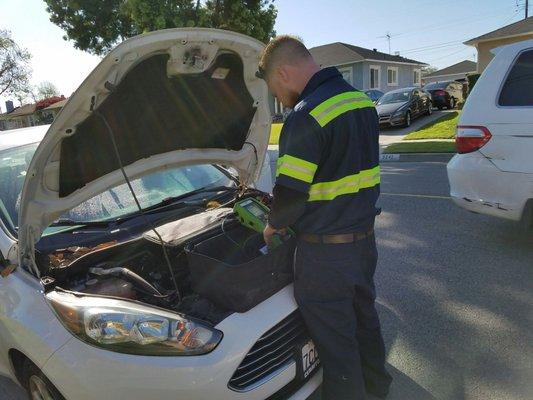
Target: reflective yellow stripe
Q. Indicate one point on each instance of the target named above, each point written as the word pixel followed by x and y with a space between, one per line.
pixel 339 104
pixel 348 185
pixel 296 168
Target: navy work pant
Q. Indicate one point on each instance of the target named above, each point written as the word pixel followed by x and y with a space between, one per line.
pixel 334 288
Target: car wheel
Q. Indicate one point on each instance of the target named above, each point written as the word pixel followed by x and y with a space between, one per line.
pixel 37 385
pixel 408 119
pixel 452 104
pixel 430 109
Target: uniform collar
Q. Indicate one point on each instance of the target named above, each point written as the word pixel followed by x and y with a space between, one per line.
pixel 318 79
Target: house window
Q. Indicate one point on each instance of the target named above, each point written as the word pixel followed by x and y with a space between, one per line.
pixel 374 76
pixel 347 74
pixel 392 76
pixel 416 77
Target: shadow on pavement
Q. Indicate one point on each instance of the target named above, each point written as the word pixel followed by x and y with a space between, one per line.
pixel 455 291
pixel 10 391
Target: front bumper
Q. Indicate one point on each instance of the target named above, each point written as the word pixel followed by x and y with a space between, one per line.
pixel 391 120
pixel 84 372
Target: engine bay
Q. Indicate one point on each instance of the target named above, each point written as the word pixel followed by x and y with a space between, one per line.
pixel 216 264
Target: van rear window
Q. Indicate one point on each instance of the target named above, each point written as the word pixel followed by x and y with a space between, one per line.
pixel 518 88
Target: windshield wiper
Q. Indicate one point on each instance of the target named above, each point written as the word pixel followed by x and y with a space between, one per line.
pixel 71 222
pixel 177 201
pixel 174 199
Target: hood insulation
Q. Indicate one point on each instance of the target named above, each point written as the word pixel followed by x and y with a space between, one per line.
pixel 151 114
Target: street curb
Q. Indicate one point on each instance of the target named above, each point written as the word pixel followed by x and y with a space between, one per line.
pixel 416 157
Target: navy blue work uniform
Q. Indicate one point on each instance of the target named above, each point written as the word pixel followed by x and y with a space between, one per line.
pixel 329 150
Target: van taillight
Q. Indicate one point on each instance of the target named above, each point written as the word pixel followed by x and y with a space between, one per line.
pixel 471 138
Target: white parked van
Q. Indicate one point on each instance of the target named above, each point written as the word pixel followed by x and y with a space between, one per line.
pixel 493 172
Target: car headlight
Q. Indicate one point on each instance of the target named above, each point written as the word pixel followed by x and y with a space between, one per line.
pixel 399 112
pixel 129 327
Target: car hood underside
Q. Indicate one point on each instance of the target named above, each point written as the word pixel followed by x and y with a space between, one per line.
pixel 160 100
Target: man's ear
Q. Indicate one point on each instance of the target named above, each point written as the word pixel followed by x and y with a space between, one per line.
pixel 283 74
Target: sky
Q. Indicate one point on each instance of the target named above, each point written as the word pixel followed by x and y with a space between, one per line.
pixel 425 30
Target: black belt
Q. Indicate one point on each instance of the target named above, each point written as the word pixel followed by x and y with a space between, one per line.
pixel 336 239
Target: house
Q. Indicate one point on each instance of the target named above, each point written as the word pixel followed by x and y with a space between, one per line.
pixel 20 117
pixel 366 69
pixel 40 113
pixel 517 32
pixel 49 113
pixel 369 69
pixel 455 72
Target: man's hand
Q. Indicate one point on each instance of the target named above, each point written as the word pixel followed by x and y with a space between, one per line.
pixel 269 232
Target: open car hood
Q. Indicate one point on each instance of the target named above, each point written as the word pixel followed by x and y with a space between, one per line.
pixel 172 97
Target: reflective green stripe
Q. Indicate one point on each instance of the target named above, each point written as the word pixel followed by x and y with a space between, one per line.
pixel 339 104
pixel 296 168
pixel 348 185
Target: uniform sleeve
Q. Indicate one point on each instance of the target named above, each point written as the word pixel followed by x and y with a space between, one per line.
pixel 287 206
pixel 300 152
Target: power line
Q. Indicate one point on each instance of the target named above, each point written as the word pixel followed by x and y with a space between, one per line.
pixel 429 28
pixel 451 54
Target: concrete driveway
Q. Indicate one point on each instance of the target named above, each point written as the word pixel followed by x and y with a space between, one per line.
pixel 393 135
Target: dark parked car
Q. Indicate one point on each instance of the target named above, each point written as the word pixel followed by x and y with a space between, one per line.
pixel 400 107
pixel 374 94
pixel 445 94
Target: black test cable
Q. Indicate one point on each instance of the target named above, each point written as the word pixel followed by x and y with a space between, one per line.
pixel 152 227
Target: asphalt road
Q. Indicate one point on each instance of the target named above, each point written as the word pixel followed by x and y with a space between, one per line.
pixel 454 294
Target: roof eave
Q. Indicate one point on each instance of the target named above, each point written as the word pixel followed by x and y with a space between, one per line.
pixel 475 41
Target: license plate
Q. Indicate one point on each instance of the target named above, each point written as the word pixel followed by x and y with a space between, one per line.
pixel 310 358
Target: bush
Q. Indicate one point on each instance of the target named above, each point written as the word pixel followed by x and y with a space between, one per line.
pixel 472 79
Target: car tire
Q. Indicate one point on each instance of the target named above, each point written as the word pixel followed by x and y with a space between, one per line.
pixel 407 123
pixel 452 104
pixel 37 385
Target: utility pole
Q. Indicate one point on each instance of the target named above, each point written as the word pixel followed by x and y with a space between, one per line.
pixel 527 8
pixel 388 36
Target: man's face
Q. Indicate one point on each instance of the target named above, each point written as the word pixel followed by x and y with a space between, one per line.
pixel 280 83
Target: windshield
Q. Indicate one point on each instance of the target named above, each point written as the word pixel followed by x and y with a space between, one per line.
pixel 111 204
pixel 436 85
pixel 395 97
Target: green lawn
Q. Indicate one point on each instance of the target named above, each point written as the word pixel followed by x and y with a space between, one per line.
pixel 442 128
pixel 275 130
pixel 421 147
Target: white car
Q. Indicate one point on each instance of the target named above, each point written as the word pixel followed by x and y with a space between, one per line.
pixel 161 112
pixel 493 172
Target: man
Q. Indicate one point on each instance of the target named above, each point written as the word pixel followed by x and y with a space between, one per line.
pixel 326 189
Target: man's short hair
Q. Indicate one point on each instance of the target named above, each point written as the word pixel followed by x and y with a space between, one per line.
pixel 284 49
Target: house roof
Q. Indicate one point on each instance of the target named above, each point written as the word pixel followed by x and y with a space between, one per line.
pixel 342 53
pixel 58 104
pixel 462 67
pixel 27 109
pixel 522 27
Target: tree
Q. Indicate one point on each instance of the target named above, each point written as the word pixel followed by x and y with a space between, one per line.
pixel 428 70
pixel 45 90
pixel 15 70
pixel 97 26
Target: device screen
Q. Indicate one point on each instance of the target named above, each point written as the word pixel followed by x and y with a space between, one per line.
pixel 255 210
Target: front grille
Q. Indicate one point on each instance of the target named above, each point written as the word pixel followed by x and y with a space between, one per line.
pixel 270 354
pixel 384 118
